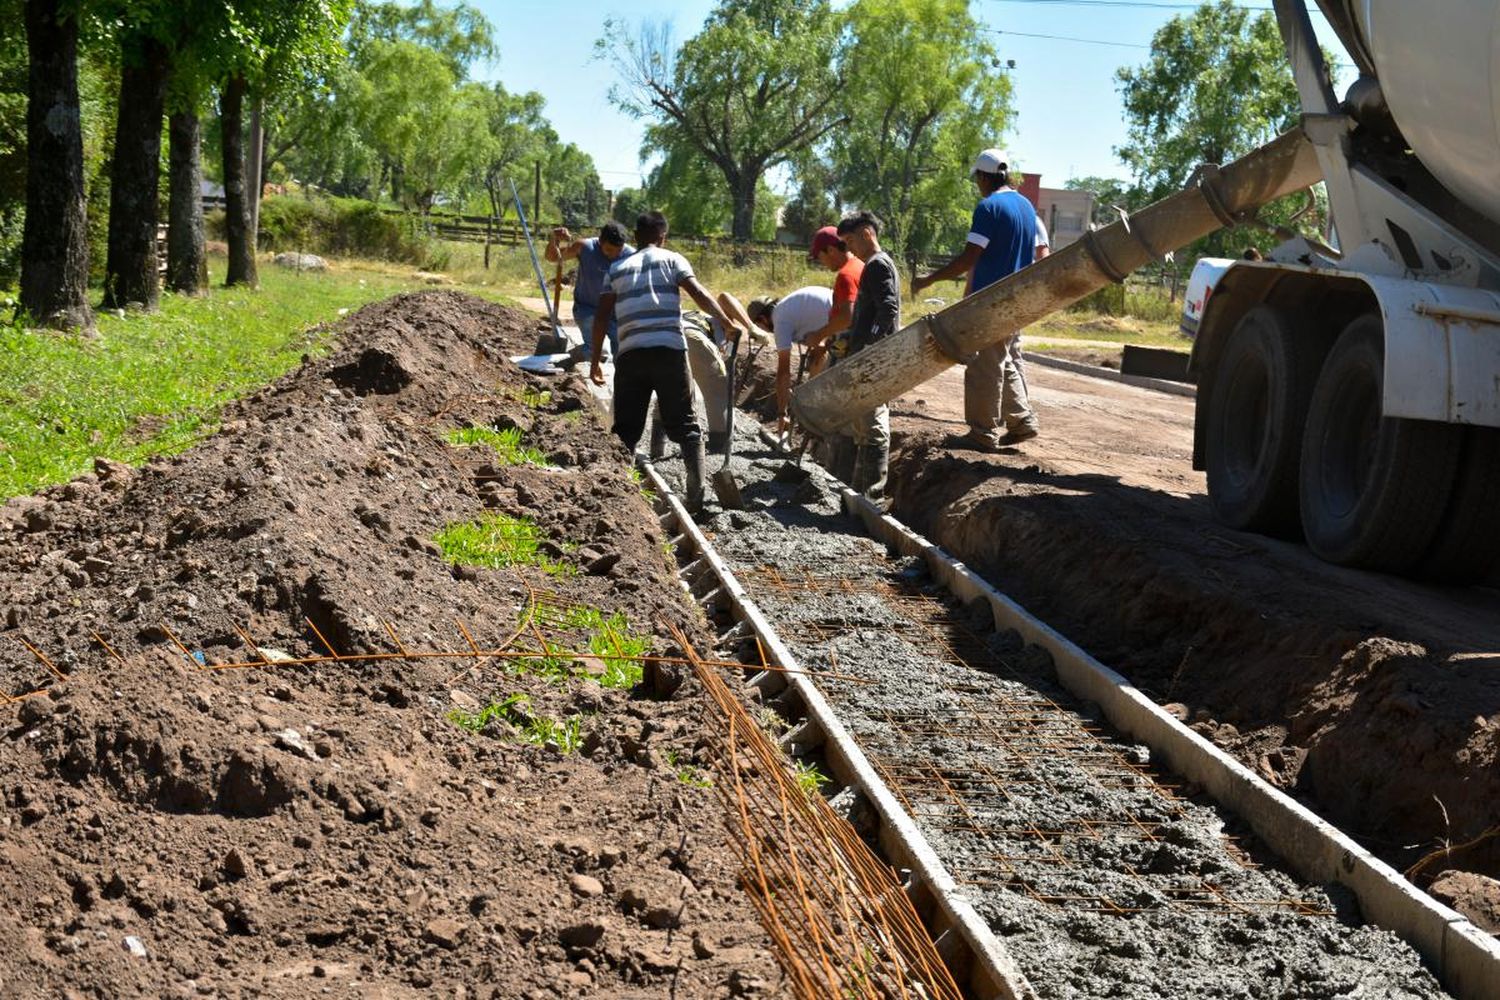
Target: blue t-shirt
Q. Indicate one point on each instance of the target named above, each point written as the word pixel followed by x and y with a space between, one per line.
pixel 1004 227
pixel 592 267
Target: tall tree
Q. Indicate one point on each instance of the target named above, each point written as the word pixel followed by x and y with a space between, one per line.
pixel 1216 87
pixel 758 84
pixel 130 264
pixel 939 95
pixel 55 254
pixel 238 233
pixel 187 261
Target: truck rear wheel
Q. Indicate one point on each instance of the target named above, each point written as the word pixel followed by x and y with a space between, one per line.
pixel 1262 384
pixel 1467 546
pixel 1374 488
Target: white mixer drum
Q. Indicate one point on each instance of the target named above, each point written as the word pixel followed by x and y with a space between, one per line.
pixel 1439 66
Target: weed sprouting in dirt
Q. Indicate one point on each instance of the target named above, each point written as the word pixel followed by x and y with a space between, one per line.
pixel 607 638
pixel 639 478
pixel 495 541
pixel 809 778
pixel 687 772
pixel 506 444
pixel 535 399
pixel 515 711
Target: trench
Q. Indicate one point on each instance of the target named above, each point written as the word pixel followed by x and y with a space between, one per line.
pixel 1093 865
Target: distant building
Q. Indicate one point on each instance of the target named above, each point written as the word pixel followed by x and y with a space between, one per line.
pixel 1064 212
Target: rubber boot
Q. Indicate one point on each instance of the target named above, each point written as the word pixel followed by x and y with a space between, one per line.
pixel 870 465
pixel 692 463
pixel 841 457
pixel 658 440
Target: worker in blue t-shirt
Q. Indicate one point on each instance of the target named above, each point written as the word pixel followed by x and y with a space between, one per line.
pixel 1002 240
pixel 595 255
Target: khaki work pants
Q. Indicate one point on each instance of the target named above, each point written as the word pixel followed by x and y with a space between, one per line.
pixel 710 378
pixel 995 395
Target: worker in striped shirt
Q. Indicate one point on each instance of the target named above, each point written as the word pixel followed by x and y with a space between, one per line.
pixel 642 293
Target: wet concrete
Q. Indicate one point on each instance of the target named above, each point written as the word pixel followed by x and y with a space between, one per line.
pixel 1100 880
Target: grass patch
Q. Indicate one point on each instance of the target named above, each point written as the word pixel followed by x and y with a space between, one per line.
pixel 639 479
pixel 496 541
pixel 153 384
pixel 608 638
pixel 564 735
pixel 506 444
pixel 688 773
pixel 809 778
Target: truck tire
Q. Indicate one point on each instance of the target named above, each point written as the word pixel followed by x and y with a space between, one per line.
pixel 1467 546
pixel 1256 411
pixel 1374 488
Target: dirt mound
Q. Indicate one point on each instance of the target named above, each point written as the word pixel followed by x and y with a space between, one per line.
pixel 1331 688
pixel 178 823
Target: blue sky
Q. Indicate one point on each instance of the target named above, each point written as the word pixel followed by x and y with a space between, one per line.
pixel 1068 111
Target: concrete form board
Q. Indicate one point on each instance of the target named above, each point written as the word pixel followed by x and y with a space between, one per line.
pixel 1465 959
pixel 993 973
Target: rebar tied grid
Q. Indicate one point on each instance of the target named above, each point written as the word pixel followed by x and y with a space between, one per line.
pixel 976 754
pixel 841 923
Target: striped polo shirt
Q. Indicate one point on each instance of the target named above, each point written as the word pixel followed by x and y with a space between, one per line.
pixel 648 307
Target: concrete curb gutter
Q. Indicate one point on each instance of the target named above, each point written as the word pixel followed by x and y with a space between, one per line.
pixel 978 960
pixel 1095 371
pixel 1465 959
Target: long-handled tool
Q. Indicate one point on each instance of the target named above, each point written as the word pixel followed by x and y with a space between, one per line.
pixel 725 488
pixel 546 344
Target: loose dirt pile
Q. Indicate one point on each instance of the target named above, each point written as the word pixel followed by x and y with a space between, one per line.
pixel 173 829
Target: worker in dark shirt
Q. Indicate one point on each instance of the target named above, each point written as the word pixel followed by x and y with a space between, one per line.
pixel 877 315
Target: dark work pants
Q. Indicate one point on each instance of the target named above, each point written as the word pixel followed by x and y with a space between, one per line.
pixel 663 371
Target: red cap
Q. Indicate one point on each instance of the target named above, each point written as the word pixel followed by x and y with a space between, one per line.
pixel 824 238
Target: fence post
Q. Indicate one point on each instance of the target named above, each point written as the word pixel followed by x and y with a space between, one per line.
pixel 487 219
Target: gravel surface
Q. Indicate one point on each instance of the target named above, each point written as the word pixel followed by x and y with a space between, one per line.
pixel 1174 937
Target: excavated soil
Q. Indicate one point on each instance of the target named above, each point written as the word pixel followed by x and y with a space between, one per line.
pixel 171 829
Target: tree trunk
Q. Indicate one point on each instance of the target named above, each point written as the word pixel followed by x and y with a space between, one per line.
pixel 237 230
pixel 743 190
pixel 130 265
pixel 54 243
pixel 187 264
pixel 255 166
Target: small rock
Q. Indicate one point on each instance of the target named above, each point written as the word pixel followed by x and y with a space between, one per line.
pixel 586 886
pixel 464 700
pixel 134 946
pixel 1177 710
pixel 701 948
pixel 1475 896
pixel 293 742
pixel 633 898
pixel 34 710
pixel 235 865
pixel 445 932
pixel 582 935
pixel 662 917
pixel 300 261
pixel 576 980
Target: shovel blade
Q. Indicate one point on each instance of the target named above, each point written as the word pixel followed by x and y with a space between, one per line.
pixel 727 490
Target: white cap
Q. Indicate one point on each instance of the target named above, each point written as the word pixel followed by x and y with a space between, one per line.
pixel 991 161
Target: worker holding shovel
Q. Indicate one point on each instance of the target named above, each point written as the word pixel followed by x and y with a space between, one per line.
pixel 643 294
pixel 595 255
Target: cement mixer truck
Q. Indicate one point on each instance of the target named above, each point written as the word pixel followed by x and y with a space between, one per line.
pixel 1348 396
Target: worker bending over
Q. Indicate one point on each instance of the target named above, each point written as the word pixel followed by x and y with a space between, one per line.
pixel 642 294
pixel 794 319
pixel 594 256
pixel 876 315
pixel 1002 240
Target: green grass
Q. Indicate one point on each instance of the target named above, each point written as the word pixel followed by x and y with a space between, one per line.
pixel 809 778
pixel 687 772
pixel 495 541
pixel 506 444
pixel 153 384
pixel 607 637
pixel 515 711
